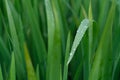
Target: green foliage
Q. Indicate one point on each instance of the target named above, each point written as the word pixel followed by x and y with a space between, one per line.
pixel 102 68
pixel 42 39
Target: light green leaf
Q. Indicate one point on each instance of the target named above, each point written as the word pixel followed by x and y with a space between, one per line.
pixel 79 35
pixel 65 74
pixel 54 40
pixel 90 33
pixel 12 75
pixel 30 70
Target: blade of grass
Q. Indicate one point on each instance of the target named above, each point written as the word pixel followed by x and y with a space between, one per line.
pixel 88 50
pixel 42 14
pixel 16 45
pixel 18 26
pixel 76 5
pixel 20 33
pixel 38 42
pixel 102 65
pixel 35 7
pixel 86 5
pixel 80 33
pixel 60 35
pixel 65 74
pixel 51 31
pixel 17 5
pixel 79 69
pixel 54 48
pixel 104 8
pixel 37 72
pixel 30 70
pixel 83 11
pixel 75 19
pixel 85 52
pixel 12 75
pixel 90 34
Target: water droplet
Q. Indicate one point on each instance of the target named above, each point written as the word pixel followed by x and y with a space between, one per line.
pixel 78 31
pixel 70 54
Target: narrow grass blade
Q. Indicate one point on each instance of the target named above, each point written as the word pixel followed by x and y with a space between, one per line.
pixel 73 13
pixel 79 70
pixel 86 5
pixel 51 31
pixel 36 8
pixel 12 75
pixel 90 34
pixel 54 42
pixel 18 26
pixel 102 65
pixel 104 9
pixel 60 36
pixel 85 54
pixel 17 5
pixel 1 76
pixel 35 31
pixel 65 74
pixel 30 70
pixel 80 33
pixel 15 43
pixel 76 5
pixel 38 72
pixel 19 29
pixel 83 11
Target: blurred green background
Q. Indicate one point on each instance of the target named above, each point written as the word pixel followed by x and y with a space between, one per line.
pixel 38 37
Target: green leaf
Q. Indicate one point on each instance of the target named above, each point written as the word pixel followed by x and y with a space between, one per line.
pixel 65 74
pixel 37 40
pixel 83 11
pixel 51 31
pixel 102 65
pixel 38 72
pixel 12 75
pixel 30 70
pixel 54 42
pixel 15 43
pixel 79 35
pixel 90 34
